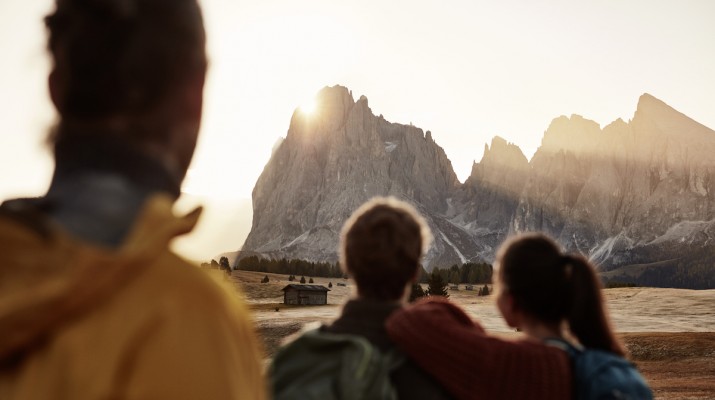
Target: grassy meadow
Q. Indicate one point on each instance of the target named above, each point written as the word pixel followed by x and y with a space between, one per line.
pixel 670 333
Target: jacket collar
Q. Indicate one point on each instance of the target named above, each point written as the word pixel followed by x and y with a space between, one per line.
pixel 68 277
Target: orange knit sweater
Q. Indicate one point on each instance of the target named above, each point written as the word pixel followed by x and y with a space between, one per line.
pixel 470 364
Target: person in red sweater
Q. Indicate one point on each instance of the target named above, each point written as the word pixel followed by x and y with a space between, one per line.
pixel 472 364
pixel 555 299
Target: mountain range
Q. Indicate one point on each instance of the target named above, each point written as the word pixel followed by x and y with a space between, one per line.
pixel 636 197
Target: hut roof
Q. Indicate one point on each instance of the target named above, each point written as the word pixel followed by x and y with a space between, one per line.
pixel 309 288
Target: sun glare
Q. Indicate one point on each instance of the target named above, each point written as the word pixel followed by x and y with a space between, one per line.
pixel 308 107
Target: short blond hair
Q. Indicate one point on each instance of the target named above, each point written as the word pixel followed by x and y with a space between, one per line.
pixel 381 245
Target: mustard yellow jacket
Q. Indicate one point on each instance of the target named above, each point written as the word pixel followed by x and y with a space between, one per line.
pixel 81 322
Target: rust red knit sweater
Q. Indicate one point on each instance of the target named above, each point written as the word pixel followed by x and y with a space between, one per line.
pixel 470 364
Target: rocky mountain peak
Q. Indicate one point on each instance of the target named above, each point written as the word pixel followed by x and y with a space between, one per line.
pixel 575 134
pixel 658 118
pixel 649 104
pixel 631 194
pixel 332 161
pixel 503 153
pixel 681 144
pixel 332 108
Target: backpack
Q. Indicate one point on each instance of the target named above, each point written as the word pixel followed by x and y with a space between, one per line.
pixel 323 365
pixel 601 375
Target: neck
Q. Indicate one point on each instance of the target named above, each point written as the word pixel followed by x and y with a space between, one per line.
pixel 540 330
pixel 398 302
pixel 109 154
pixel 101 184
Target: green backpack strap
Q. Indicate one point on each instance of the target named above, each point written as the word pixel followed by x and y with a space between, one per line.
pixel 323 365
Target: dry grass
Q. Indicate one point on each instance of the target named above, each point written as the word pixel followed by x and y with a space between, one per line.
pixel 274 320
pixel 678 365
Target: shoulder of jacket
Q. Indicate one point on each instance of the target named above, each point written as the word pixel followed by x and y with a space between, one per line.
pixel 177 283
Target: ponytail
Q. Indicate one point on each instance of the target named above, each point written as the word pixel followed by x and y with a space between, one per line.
pixel 552 287
pixel 587 316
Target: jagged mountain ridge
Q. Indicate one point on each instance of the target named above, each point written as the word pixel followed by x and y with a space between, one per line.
pixel 608 193
pixel 332 162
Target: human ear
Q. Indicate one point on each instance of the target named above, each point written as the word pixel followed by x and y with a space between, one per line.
pixel 507 307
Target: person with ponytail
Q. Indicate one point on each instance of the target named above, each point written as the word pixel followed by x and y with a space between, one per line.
pixel 556 297
pixel 471 364
pixel 568 349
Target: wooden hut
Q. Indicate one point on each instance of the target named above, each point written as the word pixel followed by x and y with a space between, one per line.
pixel 305 294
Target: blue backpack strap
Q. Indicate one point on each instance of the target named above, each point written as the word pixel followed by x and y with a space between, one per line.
pixel 570 348
pixel 573 353
pixel 606 376
pixel 601 375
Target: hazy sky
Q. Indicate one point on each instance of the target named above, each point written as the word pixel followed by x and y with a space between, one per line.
pixel 467 72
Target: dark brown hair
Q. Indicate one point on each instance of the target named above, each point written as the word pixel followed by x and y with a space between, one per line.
pixel 381 246
pixel 121 60
pixel 552 286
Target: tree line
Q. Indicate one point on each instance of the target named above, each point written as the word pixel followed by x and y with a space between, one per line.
pixel 290 267
pixel 437 286
pixel 222 264
pixel 469 273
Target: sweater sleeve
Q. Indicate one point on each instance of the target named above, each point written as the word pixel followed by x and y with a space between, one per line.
pixel 444 341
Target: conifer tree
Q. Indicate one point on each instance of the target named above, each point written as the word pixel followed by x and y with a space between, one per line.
pixel 436 286
pixel 472 277
pixel 302 279
pixel 454 278
pixel 416 292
